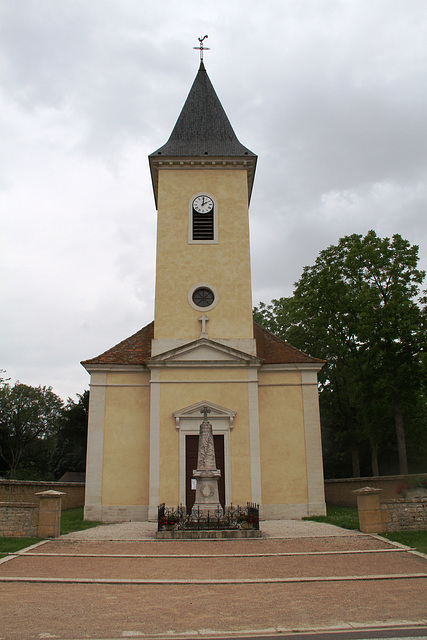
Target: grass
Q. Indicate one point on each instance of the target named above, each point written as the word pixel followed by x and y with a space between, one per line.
pixel 415 539
pixel 345 517
pixel 71 520
pixel 10 545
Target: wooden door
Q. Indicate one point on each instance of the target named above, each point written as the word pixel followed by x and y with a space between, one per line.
pixel 191 450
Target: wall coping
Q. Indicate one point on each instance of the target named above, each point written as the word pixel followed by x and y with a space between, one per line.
pixel 19 504
pixel 48 483
pixel 367 491
pixel 413 500
pixel 375 478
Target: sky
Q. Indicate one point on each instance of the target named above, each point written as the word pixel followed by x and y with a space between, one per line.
pixel 330 94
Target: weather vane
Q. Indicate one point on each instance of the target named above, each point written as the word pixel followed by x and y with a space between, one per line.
pixel 201 48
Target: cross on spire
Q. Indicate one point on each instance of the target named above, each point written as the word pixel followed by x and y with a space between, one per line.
pixel 201 48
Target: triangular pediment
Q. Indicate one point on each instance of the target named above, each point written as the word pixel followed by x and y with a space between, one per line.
pixel 195 411
pixel 204 353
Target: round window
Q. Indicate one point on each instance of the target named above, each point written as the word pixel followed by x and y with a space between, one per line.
pixel 203 297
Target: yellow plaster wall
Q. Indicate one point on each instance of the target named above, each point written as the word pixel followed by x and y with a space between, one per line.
pixel 178 395
pixel 197 374
pixel 180 265
pixel 282 440
pixel 126 440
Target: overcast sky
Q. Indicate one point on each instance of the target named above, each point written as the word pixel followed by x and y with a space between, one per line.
pixel 330 94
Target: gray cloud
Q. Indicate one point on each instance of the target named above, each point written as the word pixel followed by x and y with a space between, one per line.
pixel 332 96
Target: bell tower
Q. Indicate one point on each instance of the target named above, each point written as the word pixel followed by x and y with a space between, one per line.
pixel 202 181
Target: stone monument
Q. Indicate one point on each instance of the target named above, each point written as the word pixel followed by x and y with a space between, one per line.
pixel 206 474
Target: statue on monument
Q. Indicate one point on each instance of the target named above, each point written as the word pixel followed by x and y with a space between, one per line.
pixel 206 474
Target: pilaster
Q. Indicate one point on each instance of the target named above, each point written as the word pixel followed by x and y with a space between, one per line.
pixel 313 444
pixel 154 445
pixel 254 440
pixel 95 447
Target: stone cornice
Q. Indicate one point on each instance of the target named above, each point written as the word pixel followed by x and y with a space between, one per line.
pixel 294 366
pixel 247 163
pixel 122 368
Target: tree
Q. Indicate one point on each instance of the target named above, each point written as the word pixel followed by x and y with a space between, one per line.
pixel 359 308
pixel 69 453
pixel 28 417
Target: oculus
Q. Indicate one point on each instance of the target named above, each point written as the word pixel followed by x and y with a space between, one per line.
pixel 203 296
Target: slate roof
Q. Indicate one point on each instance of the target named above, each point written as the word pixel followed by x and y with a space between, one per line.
pixel 202 128
pixel 73 476
pixel 136 350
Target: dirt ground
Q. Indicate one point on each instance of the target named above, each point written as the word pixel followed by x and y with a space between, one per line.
pixel 334 582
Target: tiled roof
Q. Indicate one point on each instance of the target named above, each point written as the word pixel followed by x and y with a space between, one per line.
pixel 133 350
pixel 137 350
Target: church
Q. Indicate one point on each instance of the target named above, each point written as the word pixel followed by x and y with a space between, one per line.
pixel 203 352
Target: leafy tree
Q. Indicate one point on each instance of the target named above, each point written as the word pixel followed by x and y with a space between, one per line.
pixel 28 418
pixel 3 380
pixel 69 453
pixel 359 308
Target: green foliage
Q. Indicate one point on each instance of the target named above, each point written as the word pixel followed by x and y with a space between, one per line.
pixel 40 438
pixel 28 421
pixel 359 307
pixel 72 520
pixel 69 452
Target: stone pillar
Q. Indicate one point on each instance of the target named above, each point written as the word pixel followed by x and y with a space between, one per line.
pixel 370 514
pixel 49 514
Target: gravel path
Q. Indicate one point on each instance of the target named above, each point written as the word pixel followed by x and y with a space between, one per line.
pixel 269 528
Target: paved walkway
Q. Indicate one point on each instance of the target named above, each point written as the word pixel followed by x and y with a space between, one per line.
pixel 270 528
pixel 117 581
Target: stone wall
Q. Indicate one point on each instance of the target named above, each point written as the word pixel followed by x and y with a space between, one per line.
pixel 340 491
pixel 404 514
pixel 19 519
pixel 41 519
pixel 25 491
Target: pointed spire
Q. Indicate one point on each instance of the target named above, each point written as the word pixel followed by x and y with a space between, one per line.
pixel 202 131
pixel 203 128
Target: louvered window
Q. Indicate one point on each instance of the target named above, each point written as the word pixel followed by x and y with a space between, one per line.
pixel 203 225
pixel 203 219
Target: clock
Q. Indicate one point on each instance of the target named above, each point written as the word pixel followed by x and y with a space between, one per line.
pixel 203 204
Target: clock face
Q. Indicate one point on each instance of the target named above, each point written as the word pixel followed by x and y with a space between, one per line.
pixel 203 204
